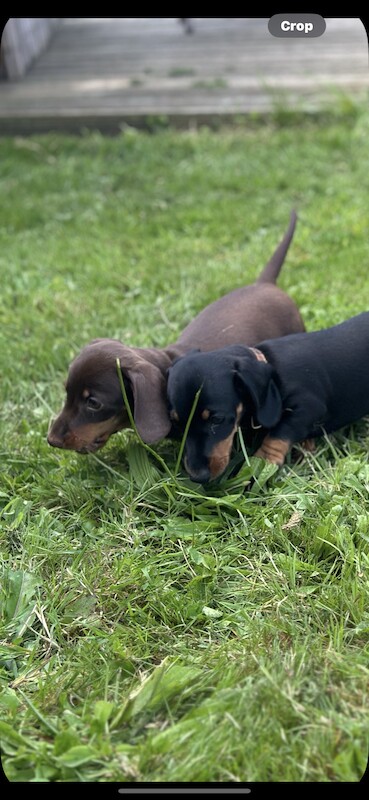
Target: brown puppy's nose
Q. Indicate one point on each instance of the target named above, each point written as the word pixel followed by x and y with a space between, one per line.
pixel 54 440
pixel 58 431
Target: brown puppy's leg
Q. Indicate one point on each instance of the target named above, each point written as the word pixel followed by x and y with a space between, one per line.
pixel 273 450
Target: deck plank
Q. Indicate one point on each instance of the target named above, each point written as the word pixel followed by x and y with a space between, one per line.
pixel 103 72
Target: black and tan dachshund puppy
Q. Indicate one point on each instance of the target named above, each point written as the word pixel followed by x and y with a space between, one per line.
pixel 294 387
pixel 94 407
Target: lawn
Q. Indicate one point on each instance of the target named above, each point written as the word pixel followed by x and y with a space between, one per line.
pixel 153 629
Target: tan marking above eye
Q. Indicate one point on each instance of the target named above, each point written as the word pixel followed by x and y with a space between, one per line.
pixel 86 393
pixel 173 415
pixel 205 413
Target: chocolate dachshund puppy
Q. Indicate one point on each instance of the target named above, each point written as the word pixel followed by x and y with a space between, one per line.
pixel 94 407
pixel 293 387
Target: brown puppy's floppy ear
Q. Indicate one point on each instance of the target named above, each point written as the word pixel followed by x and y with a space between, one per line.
pixel 149 391
pixel 256 378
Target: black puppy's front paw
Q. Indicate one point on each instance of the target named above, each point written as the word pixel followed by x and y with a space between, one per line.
pixel 273 450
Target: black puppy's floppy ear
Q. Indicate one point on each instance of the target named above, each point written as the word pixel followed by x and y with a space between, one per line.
pixel 149 389
pixel 256 378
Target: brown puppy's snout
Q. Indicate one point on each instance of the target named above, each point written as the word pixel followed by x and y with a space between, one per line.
pixel 66 434
pixel 54 440
pixel 62 435
pixel 57 433
pixel 66 439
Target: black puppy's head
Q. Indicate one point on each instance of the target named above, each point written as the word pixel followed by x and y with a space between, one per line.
pixel 233 386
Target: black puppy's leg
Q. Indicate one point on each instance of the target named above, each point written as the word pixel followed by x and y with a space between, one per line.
pixel 295 426
pixel 274 450
pixel 308 445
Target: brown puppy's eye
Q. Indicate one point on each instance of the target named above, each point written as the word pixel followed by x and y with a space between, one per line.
pixel 92 404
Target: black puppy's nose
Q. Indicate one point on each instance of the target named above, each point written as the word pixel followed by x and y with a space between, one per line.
pixel 201 475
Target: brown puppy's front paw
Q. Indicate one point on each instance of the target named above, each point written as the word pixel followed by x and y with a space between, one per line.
pixel 273 450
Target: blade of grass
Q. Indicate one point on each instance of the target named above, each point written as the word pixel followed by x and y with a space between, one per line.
pixel 109 468
pixel 37 713
pixel 184 437
pixel 243 447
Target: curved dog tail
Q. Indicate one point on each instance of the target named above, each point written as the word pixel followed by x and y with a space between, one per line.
pixel 272 269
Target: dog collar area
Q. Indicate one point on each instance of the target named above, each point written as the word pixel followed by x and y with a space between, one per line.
pixel 258 354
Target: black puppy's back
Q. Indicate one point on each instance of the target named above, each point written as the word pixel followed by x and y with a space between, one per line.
pixel 332 364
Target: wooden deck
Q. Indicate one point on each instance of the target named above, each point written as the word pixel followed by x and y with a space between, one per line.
pixel 105 72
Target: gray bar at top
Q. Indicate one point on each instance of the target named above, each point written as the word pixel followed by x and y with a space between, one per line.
pixel 306 26
pixel 184 791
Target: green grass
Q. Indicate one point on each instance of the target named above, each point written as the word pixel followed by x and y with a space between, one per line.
pixel 181 72
pixel 153 629
pixel 213 83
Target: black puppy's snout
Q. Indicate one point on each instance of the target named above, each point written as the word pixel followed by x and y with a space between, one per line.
pixel 198 475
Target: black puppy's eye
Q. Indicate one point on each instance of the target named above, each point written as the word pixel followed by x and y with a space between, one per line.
pixel 93 405
pixel 216 419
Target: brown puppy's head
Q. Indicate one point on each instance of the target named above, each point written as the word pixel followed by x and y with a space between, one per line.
pixel 94 408
pixel 234 386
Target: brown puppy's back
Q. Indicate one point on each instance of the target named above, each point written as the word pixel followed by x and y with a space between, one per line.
pixel 260 311
pixel 250 313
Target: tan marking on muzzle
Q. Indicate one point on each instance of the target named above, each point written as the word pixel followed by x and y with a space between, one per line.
pixel 220 455
pixel 85 436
